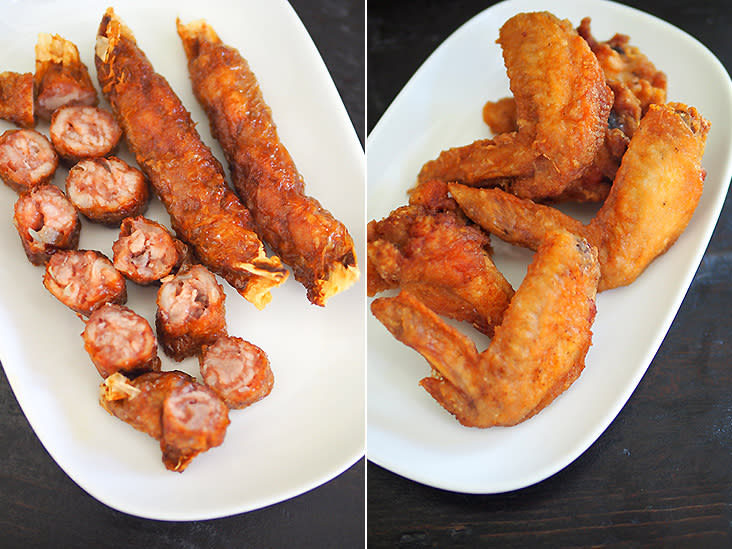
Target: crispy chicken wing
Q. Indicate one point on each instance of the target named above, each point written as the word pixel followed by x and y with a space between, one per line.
pixel 536 353
pixel 653 198
pixel 562 108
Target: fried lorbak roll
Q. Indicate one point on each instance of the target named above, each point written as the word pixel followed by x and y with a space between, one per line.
pixel 191 312
pixel 119 340
pixel 27 159
pixel 16 98
pixel 84 280
pixel 79 132
pixel 184 173
pixel 61 78
pixel 305 235
pixel 185 416
pixel 46 222
pixel 146 252
pixel 238 371
pixel 107 190
pixel 537 352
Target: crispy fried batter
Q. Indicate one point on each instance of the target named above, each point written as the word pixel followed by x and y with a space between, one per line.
pixel 440 260
pixel 536 353
pixel 562 108
pixel 304 234
pixel 651 202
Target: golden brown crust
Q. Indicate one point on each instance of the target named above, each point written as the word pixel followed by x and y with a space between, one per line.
pixel 184 173
pixel 307 237
pixel 16 98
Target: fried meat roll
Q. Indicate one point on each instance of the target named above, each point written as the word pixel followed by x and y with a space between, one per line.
pixel 27 159
pixel 185 416
pixel 61 78
pixel 107 190
pixel 46 222
pixel 16 98
pixel 146 252
pixel 190 312
pixel 119 340
pixel 186 176
pixel 84 280
pixel 305 235
pixel 79 132
pixel 238 371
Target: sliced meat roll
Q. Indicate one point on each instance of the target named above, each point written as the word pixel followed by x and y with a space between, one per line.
pixel 83 132
pixel 106 190
pixel 190 313
pixel 46 222
pixel 16 98
pixel 84 280
pixel 146 252
pixel 238 371
pixel 27 159
pixel 119 340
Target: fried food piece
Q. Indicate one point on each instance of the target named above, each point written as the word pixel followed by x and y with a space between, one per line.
pixel 562 108
pixel 652 200
pixel 238 371
pixel 46 222
pixel 185 416
pixel 119 340
pixel 184 173
pixel 191 312
pixel 16 98
pixel 305 235
pixel 61 78
pixel 146 252
pixel 79 132
pixel 536 353
pixel 626 64
pixel 107 190
pixel 500 116
pixel 84 280
pixel 441 261
pixel 27 159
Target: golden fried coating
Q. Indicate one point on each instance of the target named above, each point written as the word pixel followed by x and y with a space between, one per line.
pixel 441 261
pixel 651 202
pixel 500 116
pixel 562 108
pixel 305 235
pixel 16 98
pixel 536 353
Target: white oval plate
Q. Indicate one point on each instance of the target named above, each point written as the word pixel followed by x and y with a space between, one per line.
pixel 440 107
pixel 311 427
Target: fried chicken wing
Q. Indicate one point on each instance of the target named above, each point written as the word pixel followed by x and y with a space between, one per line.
pixel 184 173
pixel 304 234
pixel 442 262
pixel 652 200
pixel 562 108
pixel 536 353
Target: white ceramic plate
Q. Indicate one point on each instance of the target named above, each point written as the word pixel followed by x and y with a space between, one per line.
pixel 311 427
pixel 408 432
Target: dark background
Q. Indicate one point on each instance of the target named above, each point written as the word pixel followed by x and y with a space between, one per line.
pixel 41 507
pixel 661 475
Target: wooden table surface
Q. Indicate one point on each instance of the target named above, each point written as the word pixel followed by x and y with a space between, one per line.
pixel 661 474
pixel 41 507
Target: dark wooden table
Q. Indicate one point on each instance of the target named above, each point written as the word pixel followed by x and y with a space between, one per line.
pixel 41 507
pixel 661 474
